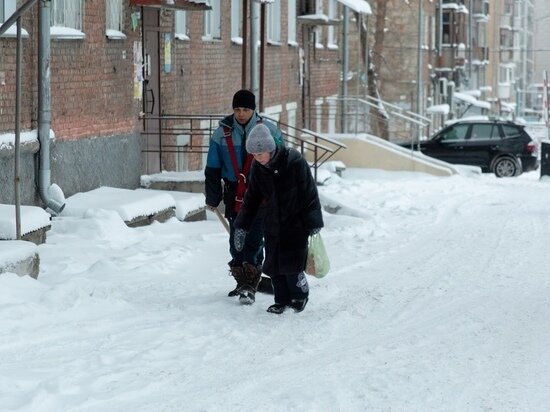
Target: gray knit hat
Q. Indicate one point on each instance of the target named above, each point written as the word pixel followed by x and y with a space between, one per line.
pixel 260 140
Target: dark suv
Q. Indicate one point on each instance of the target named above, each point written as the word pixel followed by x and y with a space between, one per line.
pixel 501 147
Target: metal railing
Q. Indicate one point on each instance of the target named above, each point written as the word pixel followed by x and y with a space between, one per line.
pixel 181 141
pixel 16 18
pixel 359 117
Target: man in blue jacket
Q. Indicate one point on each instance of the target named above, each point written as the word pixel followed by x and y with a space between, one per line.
pixel 226 171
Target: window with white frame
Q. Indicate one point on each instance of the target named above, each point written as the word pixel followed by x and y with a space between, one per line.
pixel 318 29
pixel 291 29
pixel 236 36
pixel 274 22
pixel 506 74
pixel 332 39
pixel 212 21
pixel 114 19
pixel 66 19
pixel 180 29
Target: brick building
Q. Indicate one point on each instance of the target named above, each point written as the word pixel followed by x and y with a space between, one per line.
pixel 111 61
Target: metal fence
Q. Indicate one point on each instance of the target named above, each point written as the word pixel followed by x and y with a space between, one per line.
pixel 179 142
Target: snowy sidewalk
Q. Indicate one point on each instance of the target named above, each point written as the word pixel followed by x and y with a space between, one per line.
pixel 438 300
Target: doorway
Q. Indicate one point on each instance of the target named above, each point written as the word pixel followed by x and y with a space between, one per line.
pixel 151 90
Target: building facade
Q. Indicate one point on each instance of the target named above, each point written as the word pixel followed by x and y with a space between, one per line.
pixel 114 62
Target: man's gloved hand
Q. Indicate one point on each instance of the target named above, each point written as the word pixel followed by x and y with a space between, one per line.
pixel 314 231
pixel 238 239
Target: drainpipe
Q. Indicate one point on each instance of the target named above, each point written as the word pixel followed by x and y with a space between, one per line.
pixel 44 112
pixel 254 39
pixel 345 69
pixel 245 44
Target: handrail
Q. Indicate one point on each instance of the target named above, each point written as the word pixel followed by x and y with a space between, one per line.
pixel 13 18
pixel 399 119
pixel 198 128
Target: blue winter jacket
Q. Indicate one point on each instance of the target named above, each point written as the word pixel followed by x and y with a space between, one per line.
pixel 218 162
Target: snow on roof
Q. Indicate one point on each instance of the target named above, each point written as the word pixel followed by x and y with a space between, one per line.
pixel 475 92
pixel 316 18
pixel 32 218
pixel 460 8
pixel 359 6
pixel 438 109
pixel 471 100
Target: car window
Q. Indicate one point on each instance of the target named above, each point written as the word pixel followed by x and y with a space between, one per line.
pixel 511 131
pixel 484 132
pixel 457 132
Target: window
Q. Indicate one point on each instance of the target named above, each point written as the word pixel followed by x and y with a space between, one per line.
pixel 484 132
pixel 291 13
pixel 457 132
pixel 332 42
pixel 511 131
pixel 114 19
pixel 274 22
pixel 447 28
pixel 66 19
pixel 236 36
pixel 319 29
pixel 307 7
pixel 7 8
pixel 506 74
pixel 212 21
pixel 181 25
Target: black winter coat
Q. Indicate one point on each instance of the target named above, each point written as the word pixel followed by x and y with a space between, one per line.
pixel 292 209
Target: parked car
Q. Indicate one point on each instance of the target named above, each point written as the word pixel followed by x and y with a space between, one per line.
pixel 496 146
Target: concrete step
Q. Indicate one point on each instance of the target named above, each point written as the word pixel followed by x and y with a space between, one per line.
pixel 19 257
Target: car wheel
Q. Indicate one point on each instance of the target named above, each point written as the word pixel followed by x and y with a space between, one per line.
pixel 505 167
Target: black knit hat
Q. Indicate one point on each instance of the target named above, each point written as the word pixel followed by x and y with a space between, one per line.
pixel 244 98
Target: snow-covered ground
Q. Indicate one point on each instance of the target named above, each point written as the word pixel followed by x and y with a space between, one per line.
pixel 439 300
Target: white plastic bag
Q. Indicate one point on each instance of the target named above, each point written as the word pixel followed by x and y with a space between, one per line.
pixel 317 263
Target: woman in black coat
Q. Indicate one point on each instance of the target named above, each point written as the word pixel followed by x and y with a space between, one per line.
pixel 280 179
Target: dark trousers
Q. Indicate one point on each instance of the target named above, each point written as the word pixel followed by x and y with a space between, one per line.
pixel 289 287
pixel 253 250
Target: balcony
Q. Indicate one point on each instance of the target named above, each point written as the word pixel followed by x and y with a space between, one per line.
pixel 506 22
pixel 480 55
pixel 480 10
pixel 450 58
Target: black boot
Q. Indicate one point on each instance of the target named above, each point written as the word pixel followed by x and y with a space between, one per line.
pixel 277 308
pixel 265 285
pixel 238 273
pixel 298 304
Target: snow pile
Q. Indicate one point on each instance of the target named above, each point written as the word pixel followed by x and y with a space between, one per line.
pixel 129 204
pixel 32 218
